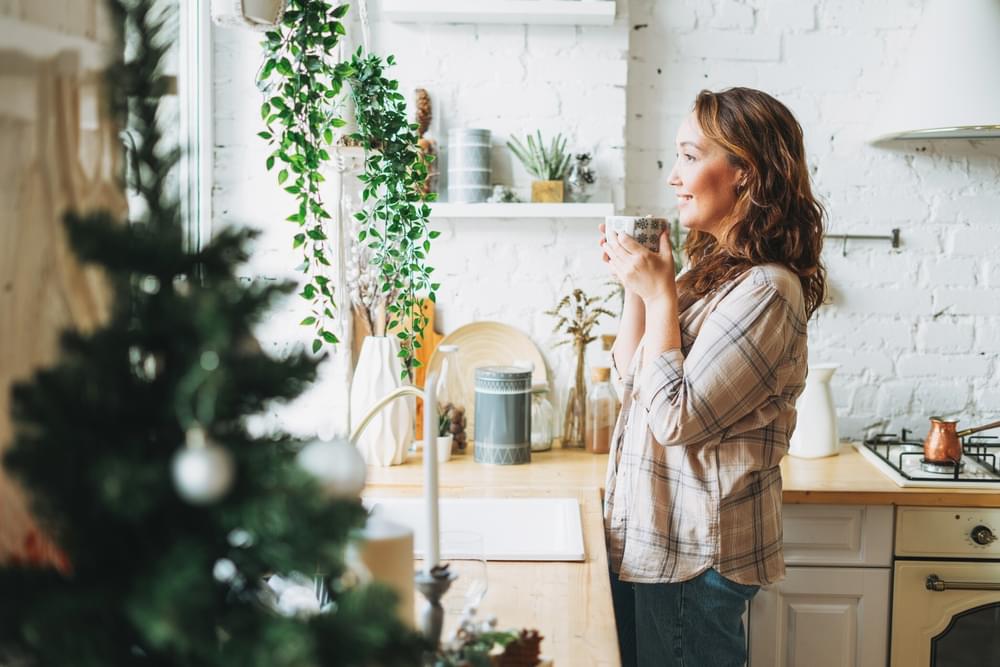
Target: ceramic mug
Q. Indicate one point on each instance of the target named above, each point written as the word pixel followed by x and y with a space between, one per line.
pixel 645 229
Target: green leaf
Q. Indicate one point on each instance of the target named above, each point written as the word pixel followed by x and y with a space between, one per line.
pixel 282 176
pixel 270 162
pixel 317 343
pixel 299 240
pixel 328 337
pixel 309 320
pixel 328 136
pixel 341 11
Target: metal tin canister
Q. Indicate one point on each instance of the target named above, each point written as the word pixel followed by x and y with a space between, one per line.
pixel 503 415
pixel 469 173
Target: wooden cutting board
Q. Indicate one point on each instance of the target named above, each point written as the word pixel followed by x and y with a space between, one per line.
pixel 428 344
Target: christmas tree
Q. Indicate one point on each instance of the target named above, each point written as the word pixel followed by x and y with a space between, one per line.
pixel 135 449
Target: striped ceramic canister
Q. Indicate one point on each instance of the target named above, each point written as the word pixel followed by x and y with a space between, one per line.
pixel 468 165
pixel 503 415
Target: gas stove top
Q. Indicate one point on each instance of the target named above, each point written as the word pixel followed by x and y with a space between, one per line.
pixel 902 460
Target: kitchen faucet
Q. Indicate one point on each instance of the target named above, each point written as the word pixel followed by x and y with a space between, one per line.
pixel 433 581
pixel 398 392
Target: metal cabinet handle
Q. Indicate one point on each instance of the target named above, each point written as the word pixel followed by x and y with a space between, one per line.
pixel 937 584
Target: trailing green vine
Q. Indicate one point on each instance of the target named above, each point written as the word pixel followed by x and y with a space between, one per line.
pixel 303 82
pixel 394 221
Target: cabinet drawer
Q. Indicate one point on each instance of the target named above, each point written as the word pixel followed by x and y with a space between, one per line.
pixel 845 535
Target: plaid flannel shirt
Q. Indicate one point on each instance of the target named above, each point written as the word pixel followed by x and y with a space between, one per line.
pixel 693 480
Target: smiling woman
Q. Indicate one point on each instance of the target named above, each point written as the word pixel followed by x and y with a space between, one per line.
pixel 708 370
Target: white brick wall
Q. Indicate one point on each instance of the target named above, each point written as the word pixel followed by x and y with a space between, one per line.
pixel 917 332
pixel 512 79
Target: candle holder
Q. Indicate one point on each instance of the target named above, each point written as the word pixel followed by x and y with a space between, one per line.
pixel 433 585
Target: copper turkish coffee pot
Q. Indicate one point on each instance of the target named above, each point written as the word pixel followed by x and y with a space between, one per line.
pixel 943 444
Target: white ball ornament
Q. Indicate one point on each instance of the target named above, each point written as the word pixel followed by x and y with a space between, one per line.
pixel 338 466
pixel 203 471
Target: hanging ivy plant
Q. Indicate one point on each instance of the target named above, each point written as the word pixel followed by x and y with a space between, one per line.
pixel 303 84
pixel 394 221
pixel 302 81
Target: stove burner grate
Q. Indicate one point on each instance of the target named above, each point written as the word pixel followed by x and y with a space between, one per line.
pixel 897 449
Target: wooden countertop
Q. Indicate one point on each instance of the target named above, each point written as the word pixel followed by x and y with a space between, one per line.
pixel 570 603
pixel 850 479
pixel 846 479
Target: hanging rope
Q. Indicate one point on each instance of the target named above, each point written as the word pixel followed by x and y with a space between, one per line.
pixel 365 31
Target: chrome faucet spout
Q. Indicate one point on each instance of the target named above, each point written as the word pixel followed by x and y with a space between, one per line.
pixel 399 392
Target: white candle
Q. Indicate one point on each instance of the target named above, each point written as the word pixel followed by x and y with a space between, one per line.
pixel 386 549
pixel 432 555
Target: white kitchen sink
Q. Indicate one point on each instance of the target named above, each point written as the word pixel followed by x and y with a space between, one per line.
pixel 512 528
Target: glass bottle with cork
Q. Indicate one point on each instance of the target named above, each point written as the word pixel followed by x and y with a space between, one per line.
pixel 542 415
pixel 602 412
pixel 451 406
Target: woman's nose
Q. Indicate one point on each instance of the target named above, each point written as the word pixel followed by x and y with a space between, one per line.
pixel 673 179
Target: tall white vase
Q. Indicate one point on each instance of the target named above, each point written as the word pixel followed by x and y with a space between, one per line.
pixel 815 432
pixel 387 438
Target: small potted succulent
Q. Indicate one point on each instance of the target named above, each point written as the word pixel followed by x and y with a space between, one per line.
pixel 446 438
pixel 547 164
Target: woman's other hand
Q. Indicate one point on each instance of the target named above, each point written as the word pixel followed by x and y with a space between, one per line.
pixel 650 275
pixel 604 252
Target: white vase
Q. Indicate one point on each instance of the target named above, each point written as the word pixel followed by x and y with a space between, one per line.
pixel 387 437
pixel 815 434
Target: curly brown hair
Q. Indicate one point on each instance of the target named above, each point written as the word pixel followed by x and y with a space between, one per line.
pixel 776 218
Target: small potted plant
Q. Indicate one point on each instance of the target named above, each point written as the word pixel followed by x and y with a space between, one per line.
pixel 547 164
pixel 445 436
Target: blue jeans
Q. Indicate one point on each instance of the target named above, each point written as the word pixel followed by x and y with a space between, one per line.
pixel 696 623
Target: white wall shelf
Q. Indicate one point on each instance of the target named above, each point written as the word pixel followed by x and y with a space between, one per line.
pixel 585 210
pixel 551 12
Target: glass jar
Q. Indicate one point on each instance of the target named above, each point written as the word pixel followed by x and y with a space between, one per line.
pixel 542 415
pixel 450 398
pixel 601 412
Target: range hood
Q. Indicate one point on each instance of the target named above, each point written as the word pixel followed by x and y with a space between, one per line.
pixel 947 86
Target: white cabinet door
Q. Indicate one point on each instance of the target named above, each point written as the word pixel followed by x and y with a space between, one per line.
pixel 822 617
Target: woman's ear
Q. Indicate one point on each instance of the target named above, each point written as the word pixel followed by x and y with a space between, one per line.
pixel 741 180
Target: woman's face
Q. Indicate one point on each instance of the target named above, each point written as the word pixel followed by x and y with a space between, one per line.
pixel 705 180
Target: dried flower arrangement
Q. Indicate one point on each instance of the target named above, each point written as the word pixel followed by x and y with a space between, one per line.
pixel 577 314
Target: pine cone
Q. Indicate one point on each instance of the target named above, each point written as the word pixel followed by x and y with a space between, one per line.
pixel 522 652
pixel 456 414
pixel 423 105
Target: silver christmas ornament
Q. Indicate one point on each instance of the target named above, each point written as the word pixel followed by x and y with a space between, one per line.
pixel 338 466
pixel 203 471
pixel 224 570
